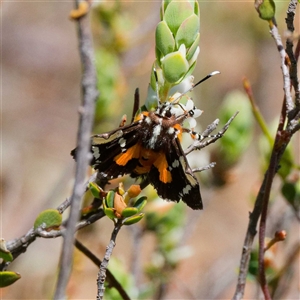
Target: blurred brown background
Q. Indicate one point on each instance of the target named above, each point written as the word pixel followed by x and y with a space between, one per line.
pixel 40 97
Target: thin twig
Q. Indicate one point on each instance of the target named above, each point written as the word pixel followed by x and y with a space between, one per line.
pixel 289 48
pixel 262 227
pixel 112 281
pixel 104 264
pixel 63 206
pixel 277 152
pixel 199 144
pixel 89 96
pixel 247 247
pixel 205 168
pixel 40 232
pixel 282 139
pixel 285 71
pixel 275 158
pixel 19 245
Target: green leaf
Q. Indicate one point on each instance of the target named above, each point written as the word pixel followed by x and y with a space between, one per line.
pixel 188 31
pixel 165 42
pixel 4 253
pixel 50 217
pixel 289 191
pixel 190 71
pixel 140 203
pixel 6 256
pixel 174 67
pixel 197 9
pixel 176 13
pixel 8 277
pixel 192 50
pixel 95 190
pixel 110 212
pixel 109 200
pixel 133 219
pixel 129 211
pixel 267 10
pixel 159 56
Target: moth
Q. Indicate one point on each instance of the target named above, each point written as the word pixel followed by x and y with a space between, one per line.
pixel 150 148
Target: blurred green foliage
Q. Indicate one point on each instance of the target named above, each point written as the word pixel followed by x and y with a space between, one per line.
pixel 113 25
pixel 126 280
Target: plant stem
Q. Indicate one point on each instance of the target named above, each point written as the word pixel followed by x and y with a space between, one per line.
pixel 89 96
pixel 105 261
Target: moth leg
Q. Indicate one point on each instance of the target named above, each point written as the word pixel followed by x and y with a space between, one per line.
pixel 198 136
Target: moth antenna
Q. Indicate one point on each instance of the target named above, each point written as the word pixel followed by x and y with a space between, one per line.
pixel 202 80
pixel 136 103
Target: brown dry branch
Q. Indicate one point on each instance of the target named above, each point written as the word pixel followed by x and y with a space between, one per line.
pixel 89 96
pixel 288 125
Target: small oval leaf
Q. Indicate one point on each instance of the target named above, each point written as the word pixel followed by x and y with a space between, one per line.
pixel 140 203
pixel 110 199
pixel 165 42
pixel 110 212
pixel 133 219
pixel 95 190
pixel 8 277
pixel 188 30
pixel 4 253
pixel 129 211
pixel 267 10
pixel 6 256
pixel 174 67
pixel 50 217
pixel 176 12
pixel 193 48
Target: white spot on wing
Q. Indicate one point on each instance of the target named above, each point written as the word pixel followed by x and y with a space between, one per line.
pixel 175 163
pixel 96 152
pixel 122 142
pixel 187 189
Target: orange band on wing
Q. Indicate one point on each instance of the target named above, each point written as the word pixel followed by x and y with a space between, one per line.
pixel 123 158
pixel 161 164
pixel 146 159
pixel 179 128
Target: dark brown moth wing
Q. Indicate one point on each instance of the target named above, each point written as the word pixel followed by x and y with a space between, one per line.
pixel 105 147
pixel 184 184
